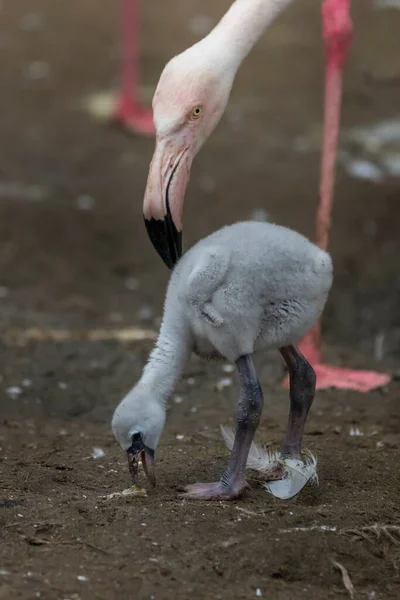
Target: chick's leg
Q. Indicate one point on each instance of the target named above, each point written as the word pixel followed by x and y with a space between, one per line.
pixel 249 411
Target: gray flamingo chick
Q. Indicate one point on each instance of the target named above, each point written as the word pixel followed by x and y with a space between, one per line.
pixel 248 287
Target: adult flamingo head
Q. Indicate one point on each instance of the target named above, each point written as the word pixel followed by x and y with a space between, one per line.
pixel 189 101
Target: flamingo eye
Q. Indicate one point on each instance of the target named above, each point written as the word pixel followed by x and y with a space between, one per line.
pixel 196 112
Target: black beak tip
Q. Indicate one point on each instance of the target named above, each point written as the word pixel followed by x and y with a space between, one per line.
pixel 166 239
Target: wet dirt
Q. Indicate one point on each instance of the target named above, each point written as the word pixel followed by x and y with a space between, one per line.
pixel 62 267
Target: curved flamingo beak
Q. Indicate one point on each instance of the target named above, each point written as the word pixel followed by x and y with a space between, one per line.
pixel 163 200
pixel 139 451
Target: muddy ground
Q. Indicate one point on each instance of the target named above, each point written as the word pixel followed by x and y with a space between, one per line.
pixel 62 267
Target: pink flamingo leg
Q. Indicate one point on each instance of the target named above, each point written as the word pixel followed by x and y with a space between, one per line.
pixel 129 110
pixel 337 32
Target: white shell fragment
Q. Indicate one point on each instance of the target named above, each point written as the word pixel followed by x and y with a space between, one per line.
pixel 296 472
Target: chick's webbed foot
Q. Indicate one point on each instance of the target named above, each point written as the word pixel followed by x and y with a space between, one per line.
pixel 218 490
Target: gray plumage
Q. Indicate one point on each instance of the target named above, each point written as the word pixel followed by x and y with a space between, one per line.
pixel 248 287
pixel 245 288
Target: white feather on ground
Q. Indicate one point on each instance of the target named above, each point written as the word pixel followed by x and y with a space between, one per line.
pixel 296 472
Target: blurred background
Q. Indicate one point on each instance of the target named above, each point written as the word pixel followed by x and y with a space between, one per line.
pixel 71 185
pixel 74 254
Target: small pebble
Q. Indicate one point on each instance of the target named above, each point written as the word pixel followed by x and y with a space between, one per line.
pixel 258 593
pixel 179 436
pixel 62 385
pixel 26 382
pixel 228 368
pixel 191 381
pixel 178 399
pixel 193 409
pixel 82 578
pixel 3 291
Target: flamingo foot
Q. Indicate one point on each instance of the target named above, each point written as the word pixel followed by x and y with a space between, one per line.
pixel 134 117
pixel 345 379
pixel 336 377
pixel 215 491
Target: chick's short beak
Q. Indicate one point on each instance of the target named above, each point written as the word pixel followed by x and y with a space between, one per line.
pixel 137 452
